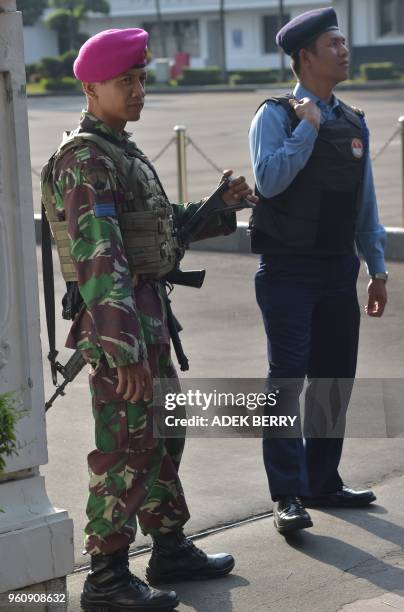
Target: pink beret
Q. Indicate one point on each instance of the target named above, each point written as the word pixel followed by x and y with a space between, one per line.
pixel 110 53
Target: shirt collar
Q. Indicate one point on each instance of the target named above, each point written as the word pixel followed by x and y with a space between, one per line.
pixel 89 121
pixel 301 92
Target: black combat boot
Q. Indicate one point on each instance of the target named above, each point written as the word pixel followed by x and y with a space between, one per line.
pixel 111 586
pixel 175 558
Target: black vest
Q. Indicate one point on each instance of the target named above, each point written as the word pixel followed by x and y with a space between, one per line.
pixel 316 215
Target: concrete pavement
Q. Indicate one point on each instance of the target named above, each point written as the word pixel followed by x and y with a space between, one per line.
pixel 351 561
pixel 349 557
pixel 219 123
pixel 223 336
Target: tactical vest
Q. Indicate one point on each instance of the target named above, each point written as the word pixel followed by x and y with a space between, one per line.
pixel 317 214
pixel 146 223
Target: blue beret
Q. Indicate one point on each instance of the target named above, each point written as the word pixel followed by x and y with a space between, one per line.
pixel 306 27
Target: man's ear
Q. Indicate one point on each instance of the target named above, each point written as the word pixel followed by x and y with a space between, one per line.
pixel 89 89
pixel 304 57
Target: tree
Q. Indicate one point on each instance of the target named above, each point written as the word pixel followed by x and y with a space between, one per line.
pixel 222 22
pixel 31 10
pixel 281 23
pixel 161 27
pixel 350 36
pixel 66 18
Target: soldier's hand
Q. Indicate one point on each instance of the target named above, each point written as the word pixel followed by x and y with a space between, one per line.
pixel 135 382
pixel 377 297
pixel 307 109
pixel 238 189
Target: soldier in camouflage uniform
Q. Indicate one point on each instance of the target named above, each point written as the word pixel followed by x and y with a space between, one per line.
pixel 122 332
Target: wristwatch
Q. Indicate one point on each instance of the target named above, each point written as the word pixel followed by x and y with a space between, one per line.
pixel 380 275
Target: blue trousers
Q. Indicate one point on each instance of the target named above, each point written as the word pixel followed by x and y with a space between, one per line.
pixel 311 316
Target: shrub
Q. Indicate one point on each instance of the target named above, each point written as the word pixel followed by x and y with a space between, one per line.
pixel 30 69
pixel 11 411
pixel 64 84
pixel 378 72
pixel 246 77
pixel 201 76
pixel 51 67
pixel 151 77
pixel 67 60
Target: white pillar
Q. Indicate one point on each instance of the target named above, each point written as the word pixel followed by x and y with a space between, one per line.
pixel 36 539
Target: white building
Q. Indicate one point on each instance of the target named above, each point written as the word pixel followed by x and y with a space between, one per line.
pixel 375 27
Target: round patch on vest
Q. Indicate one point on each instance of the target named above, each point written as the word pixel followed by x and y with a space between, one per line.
pixel 357 148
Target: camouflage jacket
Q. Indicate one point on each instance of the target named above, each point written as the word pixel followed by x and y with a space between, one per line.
pixel 119 320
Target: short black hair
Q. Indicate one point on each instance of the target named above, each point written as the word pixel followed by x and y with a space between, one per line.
pixel 295 62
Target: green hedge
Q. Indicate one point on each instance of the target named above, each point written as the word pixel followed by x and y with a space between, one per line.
pixel 30 71
pixel 11 411
pixel 246 77
pixel 68 60
pixel 383 71
pixel 151 77
pixel 51 67
pixel 64 84
pixel 201 76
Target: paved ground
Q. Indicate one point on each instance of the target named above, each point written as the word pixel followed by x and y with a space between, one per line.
pixel 219 123
pixel 350 561
pixel 347 557
pixel 224 337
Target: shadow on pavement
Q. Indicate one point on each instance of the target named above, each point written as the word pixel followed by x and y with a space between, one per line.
pixel 383 572
pixel 371 519
pixel 209 595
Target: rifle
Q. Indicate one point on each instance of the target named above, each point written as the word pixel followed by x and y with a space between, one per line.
pixel 186 234
pixel 187 278
pixel 69 372
pixel 213 206
pixel 73 302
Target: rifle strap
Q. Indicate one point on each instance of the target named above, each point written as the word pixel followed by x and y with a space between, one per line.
pixel 49 291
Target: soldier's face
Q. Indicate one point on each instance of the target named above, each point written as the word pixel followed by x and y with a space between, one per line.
pixel 123 97
pixel 330 61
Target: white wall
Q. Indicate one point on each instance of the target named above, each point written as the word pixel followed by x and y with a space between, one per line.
pixel 39 42
pixel 241 15
pixel 97 23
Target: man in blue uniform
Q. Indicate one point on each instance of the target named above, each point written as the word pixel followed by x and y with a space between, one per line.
pixel 310 155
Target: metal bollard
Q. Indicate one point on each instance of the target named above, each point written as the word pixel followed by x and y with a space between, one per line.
pixel 401 122
pixel 181 137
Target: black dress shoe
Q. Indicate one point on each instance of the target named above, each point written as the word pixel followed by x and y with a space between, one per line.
pixel 290 515
pixel 110 586
pixel 175 558
pixel 345 498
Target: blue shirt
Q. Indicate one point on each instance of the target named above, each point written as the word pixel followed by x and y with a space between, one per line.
pixel 278 155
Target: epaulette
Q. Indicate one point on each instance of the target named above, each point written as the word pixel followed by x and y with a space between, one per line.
pixel 358 111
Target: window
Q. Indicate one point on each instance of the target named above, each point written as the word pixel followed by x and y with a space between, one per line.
pixel 237 37
pixel 181 37
pixel 270 29
pixel 391 17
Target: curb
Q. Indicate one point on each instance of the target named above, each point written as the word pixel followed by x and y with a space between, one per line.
pixel 369 86
pixel 239 241
pixel 168 90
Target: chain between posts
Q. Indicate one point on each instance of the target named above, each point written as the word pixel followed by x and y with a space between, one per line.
pixel 154 159
pixel 205 157
pixel 386 144
pixel 188 141
pixel 163 150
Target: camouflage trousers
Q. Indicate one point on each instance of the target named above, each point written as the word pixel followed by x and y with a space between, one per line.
pixel 132 474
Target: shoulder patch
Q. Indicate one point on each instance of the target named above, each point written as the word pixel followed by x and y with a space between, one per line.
pixel 104 209
pixel 358 111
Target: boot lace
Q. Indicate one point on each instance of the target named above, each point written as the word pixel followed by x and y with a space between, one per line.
pixel 138 582
pixel 192 548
